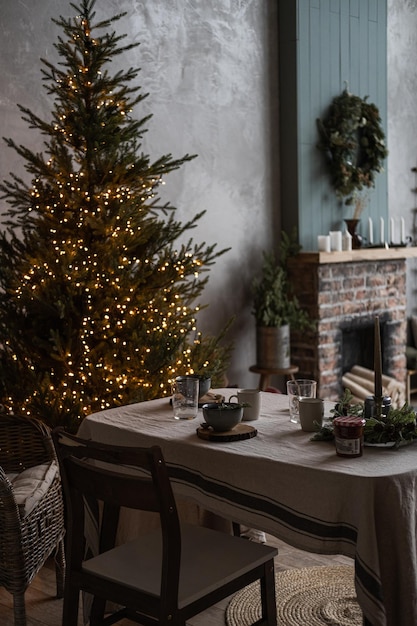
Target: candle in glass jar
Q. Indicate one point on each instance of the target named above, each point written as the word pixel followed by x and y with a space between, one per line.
pixel 402 230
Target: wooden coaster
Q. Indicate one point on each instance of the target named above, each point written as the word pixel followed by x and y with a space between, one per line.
pixel 238 433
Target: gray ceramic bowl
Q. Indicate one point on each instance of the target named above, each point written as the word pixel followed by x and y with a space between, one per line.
pixel 204 384
pixel 222 417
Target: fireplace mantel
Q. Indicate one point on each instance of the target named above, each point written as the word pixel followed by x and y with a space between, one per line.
pixel 363 254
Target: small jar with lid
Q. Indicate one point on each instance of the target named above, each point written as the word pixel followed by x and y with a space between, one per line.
pixel 348 435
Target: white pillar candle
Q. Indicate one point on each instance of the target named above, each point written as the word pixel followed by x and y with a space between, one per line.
pixel 391 230
pixel 336 240
pixel 402 230
pixel 371 231
pixel 323 243
pixel 382 230
pixel 347 241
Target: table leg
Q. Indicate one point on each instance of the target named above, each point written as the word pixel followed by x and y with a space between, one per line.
pixel 263 382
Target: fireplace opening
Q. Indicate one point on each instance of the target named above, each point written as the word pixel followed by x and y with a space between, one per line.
pixel 358 347
pixel 358 344
pixel 357 357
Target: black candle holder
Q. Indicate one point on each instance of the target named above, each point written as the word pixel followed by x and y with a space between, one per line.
pixel 375 407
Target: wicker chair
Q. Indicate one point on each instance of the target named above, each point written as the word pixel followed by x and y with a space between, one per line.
pixel 31 528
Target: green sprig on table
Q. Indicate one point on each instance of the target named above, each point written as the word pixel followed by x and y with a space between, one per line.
pixel 230 406
pixel 397 427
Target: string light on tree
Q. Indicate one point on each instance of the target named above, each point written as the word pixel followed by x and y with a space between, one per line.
pixel 98 301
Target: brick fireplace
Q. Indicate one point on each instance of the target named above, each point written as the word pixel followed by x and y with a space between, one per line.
pixel 344 291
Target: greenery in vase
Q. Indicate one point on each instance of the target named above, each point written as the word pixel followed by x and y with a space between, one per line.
pixel 207 356
pixel 274 303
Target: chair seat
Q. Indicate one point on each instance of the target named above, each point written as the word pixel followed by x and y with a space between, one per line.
pixel 31 485
pixel 137 564
pixel 164 577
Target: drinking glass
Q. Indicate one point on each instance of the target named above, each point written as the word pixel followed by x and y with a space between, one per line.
pixel 185 397
pixel 296 389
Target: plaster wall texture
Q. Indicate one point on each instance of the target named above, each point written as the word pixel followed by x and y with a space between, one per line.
pixel 206 66
pixel 402 125
pixel 211 72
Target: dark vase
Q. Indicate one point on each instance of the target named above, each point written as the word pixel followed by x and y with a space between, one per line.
pixel 356 239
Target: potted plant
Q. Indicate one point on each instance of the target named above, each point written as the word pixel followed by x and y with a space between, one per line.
pixel 276 308
pixel 209 358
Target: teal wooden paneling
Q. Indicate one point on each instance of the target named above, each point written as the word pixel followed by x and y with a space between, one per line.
pixel 334 54
pixel 332 44
pixel 354 7
pixel 373 10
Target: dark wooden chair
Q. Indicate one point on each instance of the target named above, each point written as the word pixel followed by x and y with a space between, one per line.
pixel 31 507
pixel 164 577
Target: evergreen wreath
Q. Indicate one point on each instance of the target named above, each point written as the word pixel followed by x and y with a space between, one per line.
pixel 353 138
pixel 398 427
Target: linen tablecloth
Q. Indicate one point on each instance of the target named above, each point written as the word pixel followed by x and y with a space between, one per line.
pixel 298 490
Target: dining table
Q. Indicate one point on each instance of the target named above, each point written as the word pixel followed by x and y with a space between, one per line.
pixel 280 481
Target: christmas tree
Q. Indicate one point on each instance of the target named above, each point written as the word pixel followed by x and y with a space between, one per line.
pixel 97 304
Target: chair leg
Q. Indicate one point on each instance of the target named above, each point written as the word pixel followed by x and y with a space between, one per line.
pixel 268 597
pixel 19 609
pixel 70 606
pixel 97 611
pixel 60 569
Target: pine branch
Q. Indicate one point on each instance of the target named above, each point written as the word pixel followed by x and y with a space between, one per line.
pixel 100 286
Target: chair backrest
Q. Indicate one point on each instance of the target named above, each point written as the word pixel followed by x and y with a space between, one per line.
pixel 116 476
pixel 24 442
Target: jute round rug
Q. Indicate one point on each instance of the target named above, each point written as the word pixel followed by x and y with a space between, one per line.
pixel 313 596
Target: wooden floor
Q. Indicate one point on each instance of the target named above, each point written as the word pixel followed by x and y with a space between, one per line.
pixel 44 610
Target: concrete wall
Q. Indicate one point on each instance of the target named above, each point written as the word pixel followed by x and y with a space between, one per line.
pixel 211 71
pixel 402 124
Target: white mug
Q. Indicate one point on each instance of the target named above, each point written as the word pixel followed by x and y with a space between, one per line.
pixel 252 397
pixel 311 412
